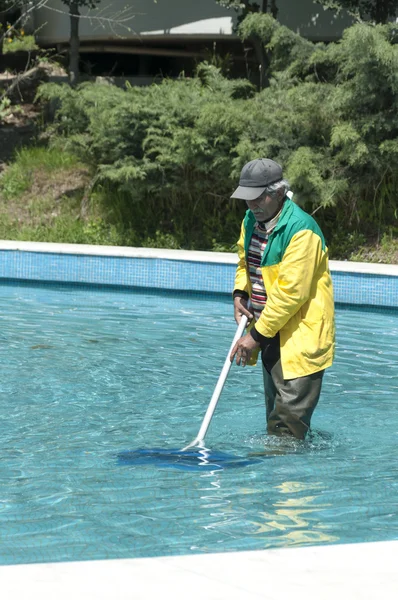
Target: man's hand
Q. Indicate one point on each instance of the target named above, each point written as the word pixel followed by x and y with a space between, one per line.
pixel 243 349
pixel 240 309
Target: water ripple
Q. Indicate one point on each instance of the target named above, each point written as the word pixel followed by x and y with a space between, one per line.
pixel 88 375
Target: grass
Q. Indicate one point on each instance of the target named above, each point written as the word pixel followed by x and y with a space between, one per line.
pixel 41 195
pixel 33 165
pixel 63 229
pixel 385 251
pixel 41 199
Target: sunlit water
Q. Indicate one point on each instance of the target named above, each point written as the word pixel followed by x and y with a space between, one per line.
pixel 87 374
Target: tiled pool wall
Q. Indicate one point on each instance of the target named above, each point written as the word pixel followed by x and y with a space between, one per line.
pixel 354 283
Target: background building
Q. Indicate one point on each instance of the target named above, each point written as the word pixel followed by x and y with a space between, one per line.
pixel 169 36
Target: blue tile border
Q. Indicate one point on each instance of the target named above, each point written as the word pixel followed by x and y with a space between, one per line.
pixel 176 271
pixel 365 289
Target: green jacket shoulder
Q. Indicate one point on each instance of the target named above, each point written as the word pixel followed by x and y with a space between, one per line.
pixel 292 220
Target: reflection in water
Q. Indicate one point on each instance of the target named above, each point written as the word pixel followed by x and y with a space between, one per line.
pixel 293 519
pixel 295 516
pixel 294 512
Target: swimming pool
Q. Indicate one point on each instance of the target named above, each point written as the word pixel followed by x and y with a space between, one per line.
pixel 87 373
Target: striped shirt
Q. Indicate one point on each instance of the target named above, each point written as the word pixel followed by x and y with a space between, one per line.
pixel 257 246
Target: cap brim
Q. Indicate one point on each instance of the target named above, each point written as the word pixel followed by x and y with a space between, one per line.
pixel 247 193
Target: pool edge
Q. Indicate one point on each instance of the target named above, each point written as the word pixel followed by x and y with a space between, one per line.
pixel 364 284
pixel 355 571
pixel 170 254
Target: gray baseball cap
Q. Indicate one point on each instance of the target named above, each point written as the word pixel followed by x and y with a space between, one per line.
pixel 255 176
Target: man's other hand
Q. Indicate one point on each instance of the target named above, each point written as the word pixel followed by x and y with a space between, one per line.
pixel 243 349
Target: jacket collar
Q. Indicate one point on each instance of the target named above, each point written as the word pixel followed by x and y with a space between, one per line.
pixel 285 214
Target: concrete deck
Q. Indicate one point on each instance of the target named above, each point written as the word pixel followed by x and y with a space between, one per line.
pixel 339 572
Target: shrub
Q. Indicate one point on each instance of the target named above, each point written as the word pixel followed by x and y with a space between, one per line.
pixel 168 156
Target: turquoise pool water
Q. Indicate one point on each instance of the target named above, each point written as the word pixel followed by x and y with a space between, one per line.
pixel 86 374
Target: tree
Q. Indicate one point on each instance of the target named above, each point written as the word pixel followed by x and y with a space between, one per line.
pixel 245 8
pixel 378 11
pixel 118 18
pixel 74 41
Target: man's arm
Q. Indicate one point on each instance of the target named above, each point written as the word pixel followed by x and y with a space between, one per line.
pixel 241 277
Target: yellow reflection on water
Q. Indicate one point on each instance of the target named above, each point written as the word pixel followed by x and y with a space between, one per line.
pixel 291 487
pixel 295 515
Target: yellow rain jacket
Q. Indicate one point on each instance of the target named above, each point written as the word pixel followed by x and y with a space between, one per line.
pixel 297 280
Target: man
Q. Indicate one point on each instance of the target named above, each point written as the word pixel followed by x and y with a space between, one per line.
pixel 283 271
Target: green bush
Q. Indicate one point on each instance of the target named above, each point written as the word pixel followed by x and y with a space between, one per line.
pixel 167 157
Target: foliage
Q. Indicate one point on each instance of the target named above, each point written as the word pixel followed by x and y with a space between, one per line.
pixel 7 30
pixel 164 148
pixel 5 104
pixel 246 7
pixel 20 42
pixel 378 11
pixel 166 157
pixel 7 109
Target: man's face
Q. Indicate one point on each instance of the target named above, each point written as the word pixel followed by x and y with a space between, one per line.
pixel 264 207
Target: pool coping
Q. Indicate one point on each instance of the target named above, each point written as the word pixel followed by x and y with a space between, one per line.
pixel 182 255
pixel 364 571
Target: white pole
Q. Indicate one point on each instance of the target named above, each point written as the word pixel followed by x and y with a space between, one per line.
pixel 199 440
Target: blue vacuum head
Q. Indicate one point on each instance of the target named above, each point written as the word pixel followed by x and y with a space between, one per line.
pixel 194 459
